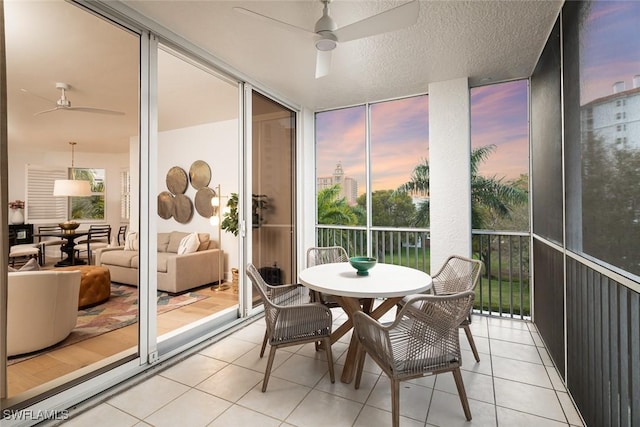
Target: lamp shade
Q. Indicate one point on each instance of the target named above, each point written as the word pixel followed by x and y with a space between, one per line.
pixel 71 188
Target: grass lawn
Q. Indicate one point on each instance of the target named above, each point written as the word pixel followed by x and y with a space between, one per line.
pixel 486 290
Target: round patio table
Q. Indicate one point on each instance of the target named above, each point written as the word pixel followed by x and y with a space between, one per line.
pixel 384 281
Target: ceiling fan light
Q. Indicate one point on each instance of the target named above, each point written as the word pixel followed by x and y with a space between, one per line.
pixel 326 44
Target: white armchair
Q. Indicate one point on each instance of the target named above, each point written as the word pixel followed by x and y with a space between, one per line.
pixel 42 309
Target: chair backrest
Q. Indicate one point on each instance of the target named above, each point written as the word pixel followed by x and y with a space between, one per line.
pixel 122 235
pixel 263 289
pixel 99 232
pixel 48 228
pixel 326 255
pixel 431 323
pixel 458 274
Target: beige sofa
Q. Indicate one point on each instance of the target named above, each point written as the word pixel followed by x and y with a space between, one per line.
pixel 176 272
pixel 42 309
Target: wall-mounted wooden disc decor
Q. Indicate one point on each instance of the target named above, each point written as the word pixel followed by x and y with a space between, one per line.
pixel 177 180
pixel 182 209
pixel 165 205
pixel 203 202
pixel 199 174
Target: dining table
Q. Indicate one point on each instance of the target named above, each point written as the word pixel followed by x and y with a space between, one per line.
pixel 386 282
pixel 69 247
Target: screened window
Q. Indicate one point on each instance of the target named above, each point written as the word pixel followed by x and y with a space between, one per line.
pixel 340 166
pixel 92 207
pixel 604 219
pixel 500 156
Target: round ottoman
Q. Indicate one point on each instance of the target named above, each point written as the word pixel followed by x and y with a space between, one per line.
pixel 95 284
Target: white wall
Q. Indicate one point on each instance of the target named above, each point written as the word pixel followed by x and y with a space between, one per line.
pixel 217 145
pixel 450 170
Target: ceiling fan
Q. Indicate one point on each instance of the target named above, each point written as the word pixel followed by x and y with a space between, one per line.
pixel 328 35
pixel 65 104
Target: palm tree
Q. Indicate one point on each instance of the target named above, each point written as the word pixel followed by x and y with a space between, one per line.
pixel 333 209
pixel 489 196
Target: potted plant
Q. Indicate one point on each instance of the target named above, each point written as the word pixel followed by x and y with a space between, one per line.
pixel 258 207
pixel 230 217
pixel 230 222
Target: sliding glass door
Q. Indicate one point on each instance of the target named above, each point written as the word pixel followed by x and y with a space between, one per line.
pixel 273 222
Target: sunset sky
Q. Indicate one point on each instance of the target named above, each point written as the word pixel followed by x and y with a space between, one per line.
pixel 499 112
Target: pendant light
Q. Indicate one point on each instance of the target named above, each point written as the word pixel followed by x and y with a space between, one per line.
pixel 72 187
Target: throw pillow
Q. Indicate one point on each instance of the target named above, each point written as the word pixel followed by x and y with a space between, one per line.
pixel 11 269
pixel 131 241
pixel 189 244
pixel 204 241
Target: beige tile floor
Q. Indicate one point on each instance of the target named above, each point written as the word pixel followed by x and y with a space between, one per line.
pixel 514 384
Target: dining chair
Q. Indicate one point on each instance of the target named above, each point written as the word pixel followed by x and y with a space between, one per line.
pixel 99 237
pixel 24 251
pixel 44 241
pixel 325 255
pixel 422 340
pixel 458 274
pixel 122 235
pixel 290 319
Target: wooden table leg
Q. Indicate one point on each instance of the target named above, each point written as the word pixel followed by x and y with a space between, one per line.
pixel 350 306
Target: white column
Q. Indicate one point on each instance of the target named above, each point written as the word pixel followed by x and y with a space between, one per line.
pixel 449 170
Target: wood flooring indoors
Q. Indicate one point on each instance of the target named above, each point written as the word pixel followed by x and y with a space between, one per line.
pixel 38 370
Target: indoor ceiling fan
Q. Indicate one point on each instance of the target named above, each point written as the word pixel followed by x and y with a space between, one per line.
pixel 328 35
pixel 65 104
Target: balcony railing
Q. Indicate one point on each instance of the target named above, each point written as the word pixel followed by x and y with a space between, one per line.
pixel 503 289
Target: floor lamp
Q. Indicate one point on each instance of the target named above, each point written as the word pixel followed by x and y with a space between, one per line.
pixel 216 221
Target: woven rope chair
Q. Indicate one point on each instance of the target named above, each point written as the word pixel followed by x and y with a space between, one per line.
pixel 422 340
pixel 328 255
pixel 458 274
pixel 291 319
pixel 325 255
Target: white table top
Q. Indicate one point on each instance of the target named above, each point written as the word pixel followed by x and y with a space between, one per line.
pixel 383 281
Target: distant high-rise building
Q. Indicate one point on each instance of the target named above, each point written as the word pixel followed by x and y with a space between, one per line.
pixel 348 186
pixel 615 118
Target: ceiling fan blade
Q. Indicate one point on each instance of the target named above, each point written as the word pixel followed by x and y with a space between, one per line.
pixel 83 110
pixel 391 20
pixel 323 63
pixel 26 92
pixel 46 111
pixel 95 110
pixel 269 20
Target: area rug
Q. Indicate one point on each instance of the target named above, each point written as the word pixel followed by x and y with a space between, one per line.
pixel 119 311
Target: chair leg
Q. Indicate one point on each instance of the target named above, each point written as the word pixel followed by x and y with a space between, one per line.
pixel 472 343
pixel 395 402
pixel 267 371
pixel 462 393
pixel 360 358
pixel 264 343
pixel 327 347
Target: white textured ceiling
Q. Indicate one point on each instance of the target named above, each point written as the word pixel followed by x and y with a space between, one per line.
pixel 52 41
pixel 497 40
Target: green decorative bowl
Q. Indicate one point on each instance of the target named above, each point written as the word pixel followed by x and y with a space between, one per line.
pixel 362 264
